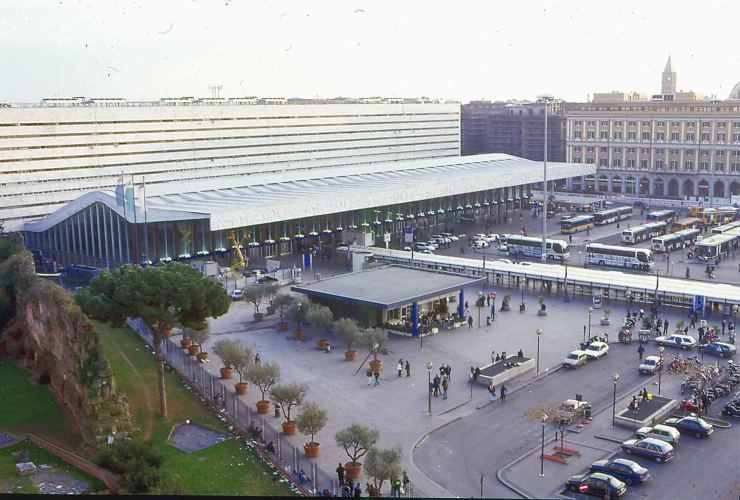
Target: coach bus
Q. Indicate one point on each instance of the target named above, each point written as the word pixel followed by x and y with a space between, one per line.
pixel 615 256
pixel 532 247
pixel 577 223
pixel 726 227
pixel 641 233
pixel 689 223
pixel 611 215
pixel 717 245
pixel 710 216
pixel 662 216
pixel 670 242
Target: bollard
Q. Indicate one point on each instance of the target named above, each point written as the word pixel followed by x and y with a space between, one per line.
pixel 279 448
pixel 313 477
pixel 295 459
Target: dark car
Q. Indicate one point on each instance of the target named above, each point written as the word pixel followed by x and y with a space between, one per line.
pixel 691 425
pixel 658 450
pixel 597 484
pixel 625 470
pixel 721 349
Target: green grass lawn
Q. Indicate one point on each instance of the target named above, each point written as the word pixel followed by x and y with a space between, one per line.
pixel 29 407
pixel 227 468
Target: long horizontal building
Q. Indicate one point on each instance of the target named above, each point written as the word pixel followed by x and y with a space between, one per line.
pixel 55 151
pixel 272 214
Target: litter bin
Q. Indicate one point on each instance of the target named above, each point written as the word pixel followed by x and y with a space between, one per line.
pixel 277 410
pixel 318 276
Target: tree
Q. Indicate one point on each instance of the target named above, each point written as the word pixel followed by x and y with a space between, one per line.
pixel 242 360
pixel 137 462
pixel 288 396
pixel 311 419
pixel 264 376
pixel 227 350
pixel 375 339
pixel 271 289
pixel 356 440
pixel 347 331
pixel 254 295
pixel 282 302
pixel 163 296
pixel 320 317
pixel 383 464
pixel 557 416
pixel 298 310
pixel 198 337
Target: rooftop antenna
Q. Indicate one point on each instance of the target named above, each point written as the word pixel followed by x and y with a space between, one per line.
pixel 215 91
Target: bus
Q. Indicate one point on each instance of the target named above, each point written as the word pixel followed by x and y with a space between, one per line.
pixel 717 245
pixel 641 233
pixel 615 256
pixel 577 223
pixel 679 239
pixel 726 227
pixel 610 215
pixel 662 216
pixel 710 216
pixel 532 247
pixel 689 223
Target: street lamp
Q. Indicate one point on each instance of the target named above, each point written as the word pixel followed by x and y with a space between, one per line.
pixel 660 371
pixel 539 334
pixel 615 379
pixel 545 99
pixel 429 386
pixel 629 302
pixel 542 450
pixel 479 303
pixel 590 310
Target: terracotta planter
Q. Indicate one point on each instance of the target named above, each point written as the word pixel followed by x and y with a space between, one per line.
pixel 258 316
pixel 241 388
pixel 350 355
pixel 226 373
pixel 263 407
pixel 298 334
pixel 312 450
pixel 290 428
pixel 352 470
pixel 282 326
pixel 376 365
pixel 202 356
pixel 193 349
pixel 184 343
pixel 321 344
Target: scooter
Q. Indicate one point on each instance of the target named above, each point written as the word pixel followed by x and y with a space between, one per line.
pixel 689 406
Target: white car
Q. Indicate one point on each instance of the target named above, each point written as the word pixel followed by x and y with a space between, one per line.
pixel 650 365
pixel 575 359
pixel 505 261
pixel 597 349
pixel 423 246
pixel 492 237
pixel 236 294
pixel 480 244
pixel 676 340
pixel 451 236
pixel 660 431
pixel 442 238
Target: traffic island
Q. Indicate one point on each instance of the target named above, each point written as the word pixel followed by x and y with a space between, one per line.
pixel 648 412
pixel 502 371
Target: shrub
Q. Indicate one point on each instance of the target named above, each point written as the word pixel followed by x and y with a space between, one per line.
pixel 137 462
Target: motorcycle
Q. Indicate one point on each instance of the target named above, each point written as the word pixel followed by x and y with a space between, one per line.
pixel 689 406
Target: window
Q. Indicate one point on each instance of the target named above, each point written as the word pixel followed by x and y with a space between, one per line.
pixel 647 124
pixel 645 151
pixel 630 163
pixel 577 134
pixel 618 123
pixel 603 149
pixel 644 164
pixel 735 153
pixel 676 124
pixel 736 124
pixel 674 151
pixel 659 164
pixel 591 122
pixel 616 162
pixel 705 136
pixel 617 135
pixel 631 150
pixel 590 149
pixel 688 165
pixel 632 123
pixel 735 137
pixel 721 137
pixel 577 159
pixel 674 164
pixel 603 162
pixel 735 167
pixel 589 160
pixel 590 134
pixel 690 124
pixel 689 152
pixel 631 136
pixel 674 136
pixel 577 149
pixel 646 136
pixel 603 134
pixel 579 123
pixel 705 124
pixel 703 166
pixel 690 136
pixel 720 153
pixel 617 151
pixel 719 166
pixel 660 151
pixel 721 124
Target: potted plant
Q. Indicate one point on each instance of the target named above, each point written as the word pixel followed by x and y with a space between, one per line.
pixel 242 361
pixel 287 397
pixel 227 351
pixel 356 440
pixel 375 339
pixel 264 376
pixel 543 307
pixel 383 464
pixel 320 318
pixel 271 292
pixel 605 320
pixel 297 312
pixel 185 341
pixel 348 332
pixel 506 303
pixel 198 338
pixel 311 419
pixel 282 302
pixel 254 295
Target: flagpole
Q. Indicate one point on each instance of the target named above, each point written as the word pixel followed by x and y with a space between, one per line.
pixel 146 228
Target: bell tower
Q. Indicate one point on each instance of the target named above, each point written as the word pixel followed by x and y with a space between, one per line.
pixel 668 83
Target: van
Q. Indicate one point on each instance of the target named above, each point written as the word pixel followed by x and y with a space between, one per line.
pixel 662 432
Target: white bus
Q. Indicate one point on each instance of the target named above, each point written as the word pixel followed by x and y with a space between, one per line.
pixel 641 233
pixel 717 245
pixel 670 242
pixel 726 227
pixel 611 215
pixel 532 247
pixel 614 256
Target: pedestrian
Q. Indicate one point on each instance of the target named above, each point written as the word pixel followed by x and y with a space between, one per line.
pixel 693 322
pixel 588 231
pixel 498 358
pixel 257 359
pixel 449 372
pixel 504 390
pixel 462 250
pixel 369 374
pixel 400 367
pixel 493 356
pixel 358 490
pixel 520 353
pixel 724 325
pixel 492 391
pixel 644 394
pixel 476 373
pixel 488 300
pixel 340 474
pixel 396 487
pixel 436 385
pixel 445 385
pixel 606 337
pixel 466 305
pixel 377 378
pixel 470 322
pixel 405 482
pixel 665 326
pixel 408 368
pixel 570 239
pixel 640 351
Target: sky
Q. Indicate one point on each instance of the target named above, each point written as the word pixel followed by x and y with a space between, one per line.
pixel 462 50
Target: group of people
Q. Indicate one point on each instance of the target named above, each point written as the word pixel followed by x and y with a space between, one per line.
pixel 441 383
pixel 351 489
pixel 492 392
pixel 403 366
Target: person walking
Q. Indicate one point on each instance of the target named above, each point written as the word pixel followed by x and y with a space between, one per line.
pixel 377 378
pixel 693 322
pixel 340 474
pixel 492 391
pixel 570 239
pixel 665 327
pixel 369 374
pixel 640 351
pixel 408 368
pixel 449 372
pixel 399 366
pixel 504 390
pixel 395 487
pixel 257 359
pixel 405 482
pixel 493 356
pixel 358 490
pixel 436 385
pixel 445 385
pixel 724 325
pixel 470 322
pixel 488 300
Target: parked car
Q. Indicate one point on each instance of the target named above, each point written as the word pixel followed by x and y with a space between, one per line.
pixel 575 359
pixel 650 365
pixel 450 236
pixel 236 294
pixel 419 246
pixel 597 349
pixel 625 470
pixel 660 431
pixel 597 484
pixel 721 349
pixel 696 426
pixel 433 244
pixel 492 237
pixel 426 250
pixel 676 340
pixel 658 450
pixel 505 261
pixel 480 244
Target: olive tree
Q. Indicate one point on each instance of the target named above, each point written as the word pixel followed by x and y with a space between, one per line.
pixel 356 440
pixel 288 396
pixel 347 331
pixel 383 464
pixel 320 317
pixel 311 420
pixel 264 376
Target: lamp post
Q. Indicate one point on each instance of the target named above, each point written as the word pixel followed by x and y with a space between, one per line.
pixel 660 370
pixel 615 379
pixel 429 386
pixel 590 310
pixel 629 302
pixel 539 334
pixel 542 449
pixel 480 305
pixel 545 99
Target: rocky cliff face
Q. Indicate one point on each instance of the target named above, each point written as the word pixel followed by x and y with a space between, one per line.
pixel 58 343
